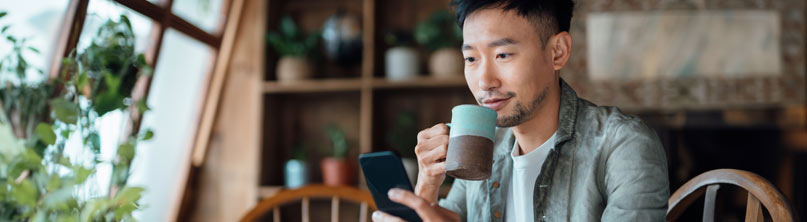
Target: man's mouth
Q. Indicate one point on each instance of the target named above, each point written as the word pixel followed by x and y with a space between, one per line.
pixel 495 103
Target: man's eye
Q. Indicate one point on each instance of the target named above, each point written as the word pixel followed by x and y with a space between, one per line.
pixel 503 55
pixel 470 59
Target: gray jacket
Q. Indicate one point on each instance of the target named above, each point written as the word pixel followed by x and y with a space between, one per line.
pixel 606 166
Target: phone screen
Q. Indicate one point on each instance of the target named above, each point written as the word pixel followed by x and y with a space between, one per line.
pixel 384 171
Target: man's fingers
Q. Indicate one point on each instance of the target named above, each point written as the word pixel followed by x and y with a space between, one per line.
pixel 438 129
pixel 409 199
pixel 437 154
pixel 424 147
pixel 381 216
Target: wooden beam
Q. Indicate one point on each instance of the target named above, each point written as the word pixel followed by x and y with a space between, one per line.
pixel 69 32
pixel 211 100
pixel 170 20
pixel 143 85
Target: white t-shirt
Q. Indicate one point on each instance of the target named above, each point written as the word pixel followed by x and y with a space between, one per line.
pixel 525 171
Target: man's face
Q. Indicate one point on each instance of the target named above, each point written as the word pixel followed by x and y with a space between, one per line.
pixel 506 66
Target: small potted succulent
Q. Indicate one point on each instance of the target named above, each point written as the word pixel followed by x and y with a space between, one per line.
pixel 294 50
pixel 401 60
pixel 296 172
pixel 441 35
pixel 337 170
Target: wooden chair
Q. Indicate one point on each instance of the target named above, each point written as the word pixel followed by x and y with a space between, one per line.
pixel 305 194
pixel 759 190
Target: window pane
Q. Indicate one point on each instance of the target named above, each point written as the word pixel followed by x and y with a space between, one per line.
pixel 176 93
pixel 37 22
pixel 98 11
pixel 206 14
pixel 110 126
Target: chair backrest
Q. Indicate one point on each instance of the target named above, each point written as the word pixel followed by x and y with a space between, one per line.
pixel 305 194
pixel 759 190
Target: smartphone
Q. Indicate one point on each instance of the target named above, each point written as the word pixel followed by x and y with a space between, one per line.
pixel 384 171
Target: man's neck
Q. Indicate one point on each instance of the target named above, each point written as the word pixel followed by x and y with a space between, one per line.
pixel 537 130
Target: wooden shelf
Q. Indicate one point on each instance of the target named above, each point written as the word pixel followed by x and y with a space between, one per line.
pixel 295 111
pixel 420 82
pixel 337 85
pixel 312 86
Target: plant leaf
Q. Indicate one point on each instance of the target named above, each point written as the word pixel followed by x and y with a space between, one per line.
pixel 45 132
pixel 128 195
pixel 288 28
pixel 33 49
pixel 142 106
pixel 54 182
pixel 81 173
pixel 5 28
pixel 106 102
pixel 24 193
pixel 3 13
pixel 148 135
pixel 93 208
pixel 58 200
pixel 65 111
pixel 94 142
pixel 126 151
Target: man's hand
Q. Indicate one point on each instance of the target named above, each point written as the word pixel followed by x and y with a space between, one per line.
pixel 426 210
pixel 431 154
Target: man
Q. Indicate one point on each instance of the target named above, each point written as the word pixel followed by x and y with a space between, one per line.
pixel 557 157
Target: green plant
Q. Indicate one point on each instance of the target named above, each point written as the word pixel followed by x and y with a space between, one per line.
pixel 398 38
pixel 39 180
pixel 289 40
pixel 299 153
pixel 403 135
pixel 438 31
pixel 338 141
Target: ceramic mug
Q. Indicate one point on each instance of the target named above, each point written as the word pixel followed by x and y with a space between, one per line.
pixel 470 143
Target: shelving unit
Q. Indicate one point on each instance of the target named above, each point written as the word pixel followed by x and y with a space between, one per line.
pixel 364 104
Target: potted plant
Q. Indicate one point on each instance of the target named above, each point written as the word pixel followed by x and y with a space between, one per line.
pixel 401 60
pixel 294 50
pixel 39 180
pixel 296 171
pixel 403 138
pixel 441 35
pixel 336 169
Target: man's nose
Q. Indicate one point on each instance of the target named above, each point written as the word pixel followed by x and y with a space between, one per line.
pixel 489 77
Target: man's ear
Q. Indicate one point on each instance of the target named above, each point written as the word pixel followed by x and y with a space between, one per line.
pixel 561 46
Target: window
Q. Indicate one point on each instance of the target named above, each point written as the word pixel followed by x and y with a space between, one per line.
pixel 183 40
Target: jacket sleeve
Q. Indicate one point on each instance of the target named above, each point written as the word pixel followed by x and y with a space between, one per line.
pixel 635 180
pixel 456 199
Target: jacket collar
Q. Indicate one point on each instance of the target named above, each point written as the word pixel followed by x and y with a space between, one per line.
pixel 567 113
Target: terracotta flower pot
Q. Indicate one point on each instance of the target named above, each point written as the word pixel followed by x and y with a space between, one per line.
pixel 446 63
pixel 290 69
pixel 337 172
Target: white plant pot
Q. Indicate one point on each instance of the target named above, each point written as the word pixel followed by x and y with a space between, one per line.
pixel 401 63
pixel 446 63
pixel 296 174
pixel 290 69
pixel 411 167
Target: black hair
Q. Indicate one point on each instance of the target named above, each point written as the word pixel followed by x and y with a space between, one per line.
pixel 549 16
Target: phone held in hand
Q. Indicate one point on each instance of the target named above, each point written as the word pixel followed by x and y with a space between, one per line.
pixel 384 171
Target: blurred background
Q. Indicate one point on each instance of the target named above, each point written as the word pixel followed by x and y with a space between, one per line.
pixel 237 100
